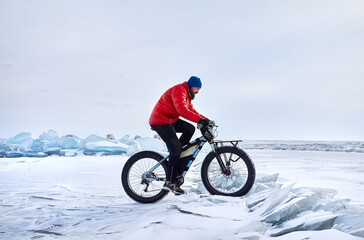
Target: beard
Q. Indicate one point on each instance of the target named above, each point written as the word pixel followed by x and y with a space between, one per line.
pixel 192 94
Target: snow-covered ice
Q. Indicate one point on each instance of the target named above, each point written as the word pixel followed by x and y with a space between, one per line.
pixel 95 144
pixel 327 146
pixel 297 195
pixel 49 143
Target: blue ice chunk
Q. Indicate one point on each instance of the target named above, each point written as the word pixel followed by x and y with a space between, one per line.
pixel 22 140
pixel 49 141
pixel 52 151
pixel 134 146
pixel 37 145
pixel 94 138
pixel 152 144
pixel 95 144
pixel 27 143
pixel 280 196
pixel 4 147
pixel 14 154
pixel 19 138
pixel 307 220
pixel 70 152
pixel 49 144
pixel 352 224
pixel 105 146
pixel 69 142
pixel 292 208
pixel 128 141
pixel 32 153
pixel 268 178
pixel 51 136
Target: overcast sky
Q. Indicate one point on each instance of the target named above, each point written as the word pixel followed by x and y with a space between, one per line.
pixel 288 70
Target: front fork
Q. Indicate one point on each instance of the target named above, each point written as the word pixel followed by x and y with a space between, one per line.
pixel 225 169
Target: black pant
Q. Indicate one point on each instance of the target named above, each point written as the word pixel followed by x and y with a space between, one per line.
pixel 168 134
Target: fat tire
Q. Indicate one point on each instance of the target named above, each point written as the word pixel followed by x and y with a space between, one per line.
pixel 126 170
pixel 248 162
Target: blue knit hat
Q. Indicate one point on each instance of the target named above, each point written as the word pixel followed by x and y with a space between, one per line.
pixel 194 82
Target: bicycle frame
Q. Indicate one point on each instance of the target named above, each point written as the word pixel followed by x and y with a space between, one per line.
pixel 188 155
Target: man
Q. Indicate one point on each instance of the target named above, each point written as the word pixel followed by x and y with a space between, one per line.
pixel 175 103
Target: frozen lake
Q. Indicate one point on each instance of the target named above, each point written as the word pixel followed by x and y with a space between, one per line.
pixel 339 170
pixel 82 198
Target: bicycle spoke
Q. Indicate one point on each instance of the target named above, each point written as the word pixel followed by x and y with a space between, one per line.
pixel 135 178
pixel 228 183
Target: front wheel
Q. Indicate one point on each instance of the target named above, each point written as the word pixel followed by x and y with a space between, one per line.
pixel 132 177
pixel 238 178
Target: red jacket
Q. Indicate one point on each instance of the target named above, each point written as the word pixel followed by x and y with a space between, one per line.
pixel 175 102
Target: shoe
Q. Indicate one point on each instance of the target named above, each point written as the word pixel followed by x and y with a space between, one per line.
pixel 173 187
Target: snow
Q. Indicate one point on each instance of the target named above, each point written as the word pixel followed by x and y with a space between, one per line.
pixel 297 195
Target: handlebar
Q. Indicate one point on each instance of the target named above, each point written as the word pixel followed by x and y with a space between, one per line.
pixel 208 132
pixel 213 125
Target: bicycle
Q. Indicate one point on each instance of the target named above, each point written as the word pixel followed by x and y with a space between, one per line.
pixel 226 170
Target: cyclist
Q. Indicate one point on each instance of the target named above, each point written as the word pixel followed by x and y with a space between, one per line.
pixel 175 103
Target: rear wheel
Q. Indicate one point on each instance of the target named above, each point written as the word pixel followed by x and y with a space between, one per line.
pixel 236 181
pixel 138 188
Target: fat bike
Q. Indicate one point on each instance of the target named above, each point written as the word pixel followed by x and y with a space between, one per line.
pixel 227 170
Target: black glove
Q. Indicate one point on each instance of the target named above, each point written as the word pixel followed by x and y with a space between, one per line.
pixel 205 122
